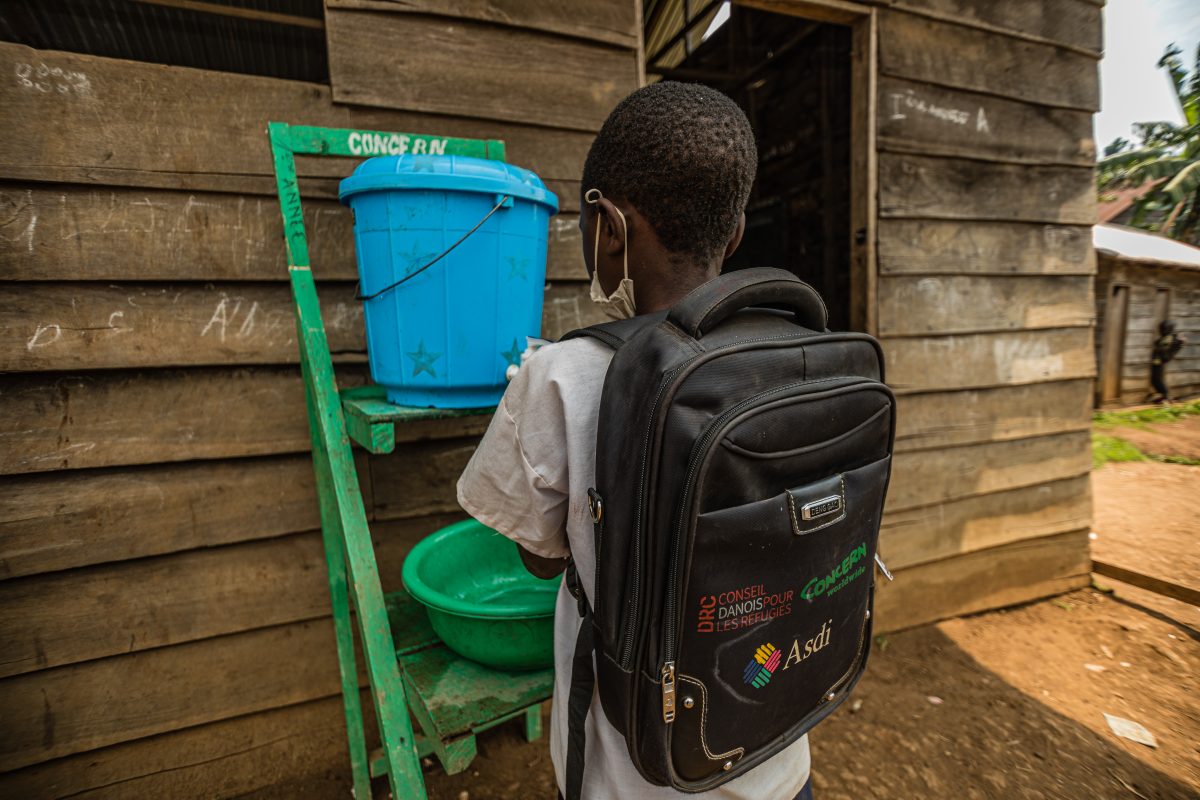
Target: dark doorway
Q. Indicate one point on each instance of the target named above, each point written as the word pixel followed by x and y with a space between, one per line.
pixel 792 77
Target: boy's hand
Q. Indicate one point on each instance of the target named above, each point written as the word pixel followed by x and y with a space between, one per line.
pixel 540 566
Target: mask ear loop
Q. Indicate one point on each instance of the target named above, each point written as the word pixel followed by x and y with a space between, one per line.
pixel 592 197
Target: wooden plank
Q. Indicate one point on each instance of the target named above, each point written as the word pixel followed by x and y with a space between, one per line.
pixel 840 12
pixel 932 120
pixel 63 326
pixel 71 233
pixel 612 21
pixel 946 419
pixel 922 247
pixel 109 419
pixel 130 123
pixel 567 307
pixel 1112 342
pixel 943 188
pixel 930 51
pixel 467 68
pixel 302 745
pixel 993 578
pixel 65 520
pixel 79 615
pixel 864 172
pixel 937 304
pixel 932 477
pixel 931 533
pixel 979 360
pixel 60 712
pixel 422 481
pixel 1070 23
pixel 1175 591
pixel 104 326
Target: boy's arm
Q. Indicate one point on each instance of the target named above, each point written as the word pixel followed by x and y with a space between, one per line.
pixel 541 566
pixel 516 481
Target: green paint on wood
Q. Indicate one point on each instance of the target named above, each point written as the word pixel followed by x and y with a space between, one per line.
pixel 451 697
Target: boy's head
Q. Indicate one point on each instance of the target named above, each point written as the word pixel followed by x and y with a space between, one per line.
pixel 683 157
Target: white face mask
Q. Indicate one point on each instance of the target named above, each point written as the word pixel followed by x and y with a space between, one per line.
pixel 619 304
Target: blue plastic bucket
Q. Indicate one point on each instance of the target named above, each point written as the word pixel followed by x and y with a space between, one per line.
pixel 445 337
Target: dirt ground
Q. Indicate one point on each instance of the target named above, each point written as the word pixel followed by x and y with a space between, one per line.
pixel 1147 514
pixel 1022 693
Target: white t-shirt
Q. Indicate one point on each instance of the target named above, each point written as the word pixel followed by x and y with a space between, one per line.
pixel 529 479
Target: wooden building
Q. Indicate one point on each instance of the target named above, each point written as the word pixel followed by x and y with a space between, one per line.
pixel 1142 279
pixel 163 607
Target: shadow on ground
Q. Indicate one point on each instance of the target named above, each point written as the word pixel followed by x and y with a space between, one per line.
pixel 1021 715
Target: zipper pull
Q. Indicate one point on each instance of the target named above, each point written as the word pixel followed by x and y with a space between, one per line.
pixel 883 568
pixel 668 692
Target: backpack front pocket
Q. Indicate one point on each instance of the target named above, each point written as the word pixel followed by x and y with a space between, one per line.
pixel 775 619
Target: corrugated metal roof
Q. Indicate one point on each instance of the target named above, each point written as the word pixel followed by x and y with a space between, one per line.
pixel 1125 242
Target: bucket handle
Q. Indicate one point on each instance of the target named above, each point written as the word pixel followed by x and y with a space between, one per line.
pixel 507 198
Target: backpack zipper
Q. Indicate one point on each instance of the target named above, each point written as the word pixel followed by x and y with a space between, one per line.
pixel 671 605
pixel 627 636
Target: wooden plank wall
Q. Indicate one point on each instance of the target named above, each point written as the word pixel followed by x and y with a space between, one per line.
pixel 165 625
pixel 157 524
pixel 1146 279
pixel 985 304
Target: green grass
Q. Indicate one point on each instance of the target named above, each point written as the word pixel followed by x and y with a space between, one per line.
pixel 1144 416
pixel 1109 448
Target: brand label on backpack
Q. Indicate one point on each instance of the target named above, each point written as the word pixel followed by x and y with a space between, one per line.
pixel 742 608
pixel 843 573
pixel 766 659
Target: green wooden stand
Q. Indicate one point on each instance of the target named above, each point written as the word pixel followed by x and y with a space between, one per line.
pixel 408 668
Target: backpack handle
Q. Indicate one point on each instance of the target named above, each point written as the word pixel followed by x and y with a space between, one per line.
pixel 707 306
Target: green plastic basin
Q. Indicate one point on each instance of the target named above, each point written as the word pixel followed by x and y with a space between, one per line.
pixel 481 600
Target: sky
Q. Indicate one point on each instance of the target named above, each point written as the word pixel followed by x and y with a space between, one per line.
pixel 1132 88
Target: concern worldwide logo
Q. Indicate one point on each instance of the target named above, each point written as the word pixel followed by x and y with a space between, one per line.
pixel 764 663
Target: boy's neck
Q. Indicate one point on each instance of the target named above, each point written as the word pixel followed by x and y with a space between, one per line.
pixel 674 286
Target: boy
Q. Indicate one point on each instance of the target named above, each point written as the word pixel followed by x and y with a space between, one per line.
pixel 665 187
pixel 1166 346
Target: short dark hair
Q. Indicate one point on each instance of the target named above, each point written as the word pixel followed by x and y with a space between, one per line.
pixel 684 155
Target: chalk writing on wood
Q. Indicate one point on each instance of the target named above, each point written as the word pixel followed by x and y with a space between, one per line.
pixel 44 335
pixel 43 78
pixel 909 101
pixel 223 315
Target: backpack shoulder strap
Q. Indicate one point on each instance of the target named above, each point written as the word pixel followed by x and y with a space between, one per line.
pixel 616 333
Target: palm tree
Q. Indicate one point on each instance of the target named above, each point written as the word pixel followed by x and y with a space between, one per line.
pixel 1165 168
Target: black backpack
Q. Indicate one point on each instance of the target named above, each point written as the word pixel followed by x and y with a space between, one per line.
pixel 742 459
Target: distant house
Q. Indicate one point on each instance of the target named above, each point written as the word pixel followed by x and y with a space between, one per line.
pixel 1142 279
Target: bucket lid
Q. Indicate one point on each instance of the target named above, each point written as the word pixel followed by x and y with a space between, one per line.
pixel 447 173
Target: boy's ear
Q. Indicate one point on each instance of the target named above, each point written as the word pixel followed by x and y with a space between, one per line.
pixel 738 233
pixel 612 231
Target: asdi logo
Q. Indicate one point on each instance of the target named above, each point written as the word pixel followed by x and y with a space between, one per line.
pixel 766 660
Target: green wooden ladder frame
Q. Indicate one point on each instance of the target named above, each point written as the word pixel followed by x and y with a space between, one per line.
pixel 401 670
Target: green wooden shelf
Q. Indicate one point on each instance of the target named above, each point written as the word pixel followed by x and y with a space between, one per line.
pixel 371 419
pixel 454 698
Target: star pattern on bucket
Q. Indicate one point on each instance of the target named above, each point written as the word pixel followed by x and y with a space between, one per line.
pixel 416 258
pixel 423 360
pixel 512 356
pixel 517 267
